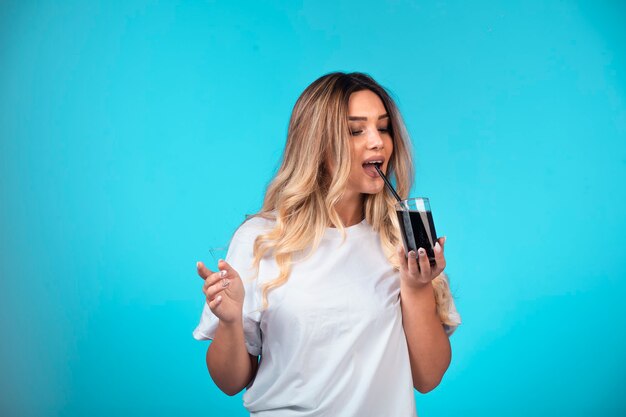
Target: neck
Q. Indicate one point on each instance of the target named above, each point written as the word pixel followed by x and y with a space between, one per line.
pixel 350 209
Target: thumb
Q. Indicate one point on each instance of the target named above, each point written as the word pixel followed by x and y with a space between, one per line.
pixel 203 271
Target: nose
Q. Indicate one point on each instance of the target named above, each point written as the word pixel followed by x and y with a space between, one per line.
pixel 374 139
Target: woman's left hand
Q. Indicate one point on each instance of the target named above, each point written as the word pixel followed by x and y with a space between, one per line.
pixel 415 271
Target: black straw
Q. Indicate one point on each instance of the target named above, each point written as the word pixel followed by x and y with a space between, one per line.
pixel 387 183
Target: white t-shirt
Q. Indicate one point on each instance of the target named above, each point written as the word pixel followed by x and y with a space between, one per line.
pixel 331 340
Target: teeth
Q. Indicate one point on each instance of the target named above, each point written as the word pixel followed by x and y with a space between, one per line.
pixel 374 162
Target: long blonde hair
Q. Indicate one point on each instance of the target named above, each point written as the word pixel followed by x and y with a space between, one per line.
pixel 302 196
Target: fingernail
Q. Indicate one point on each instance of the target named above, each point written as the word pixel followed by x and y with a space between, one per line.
pixel 437 248
pixel 198 264
pixel 223 273
pixel 225 283
pixel 412 254
pixel 218 298
pixel 421 251
pixel 444 239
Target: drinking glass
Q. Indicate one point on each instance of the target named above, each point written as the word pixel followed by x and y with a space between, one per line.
pixel 417 226
pixel 217 253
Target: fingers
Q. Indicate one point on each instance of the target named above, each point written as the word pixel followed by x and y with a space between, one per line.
pixel 415 264
pixel 216 279
pixel 211 277
pixel 215 302
pixel 225 266
pixel 215 282
pixel 218 286
pixel 203 271
pixel 423 262
pixel 413 268
pixel 439 258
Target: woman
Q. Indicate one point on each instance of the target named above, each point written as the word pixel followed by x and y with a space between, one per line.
pixel 318 285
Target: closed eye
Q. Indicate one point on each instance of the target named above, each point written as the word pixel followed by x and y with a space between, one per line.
pixel 356 132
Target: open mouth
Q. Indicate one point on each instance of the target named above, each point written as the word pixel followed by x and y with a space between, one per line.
pixel 370 168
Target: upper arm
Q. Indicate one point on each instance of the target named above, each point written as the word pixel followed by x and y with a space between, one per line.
pixel 254 367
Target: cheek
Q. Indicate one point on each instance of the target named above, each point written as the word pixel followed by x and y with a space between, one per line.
pixel 356 171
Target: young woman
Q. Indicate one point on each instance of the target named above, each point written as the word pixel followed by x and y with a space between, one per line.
pixel 317 284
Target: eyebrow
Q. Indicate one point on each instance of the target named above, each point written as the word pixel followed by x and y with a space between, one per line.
pixel 361 118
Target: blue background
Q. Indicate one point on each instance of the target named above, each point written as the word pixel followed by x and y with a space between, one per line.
pixel 136 135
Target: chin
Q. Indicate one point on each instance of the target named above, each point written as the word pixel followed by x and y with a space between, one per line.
pixel 372 189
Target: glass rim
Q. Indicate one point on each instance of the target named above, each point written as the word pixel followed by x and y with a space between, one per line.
pixel 414 198
pixel 421 201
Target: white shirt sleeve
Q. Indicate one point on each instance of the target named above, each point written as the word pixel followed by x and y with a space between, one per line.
pixel 240 257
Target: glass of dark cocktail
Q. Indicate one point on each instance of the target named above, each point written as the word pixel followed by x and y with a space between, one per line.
pixel 417 226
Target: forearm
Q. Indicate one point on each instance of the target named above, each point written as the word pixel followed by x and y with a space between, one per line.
pixel 429 346
pixel 228 360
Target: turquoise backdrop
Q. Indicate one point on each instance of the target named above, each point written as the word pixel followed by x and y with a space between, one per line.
pixel 135 135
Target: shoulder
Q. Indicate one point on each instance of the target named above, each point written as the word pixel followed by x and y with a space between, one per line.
pixel 241 247
pixel 253 227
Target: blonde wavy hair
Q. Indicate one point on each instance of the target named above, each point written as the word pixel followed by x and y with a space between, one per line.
pixel 302 196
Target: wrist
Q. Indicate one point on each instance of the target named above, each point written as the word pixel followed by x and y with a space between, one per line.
pixel 421 298
pixel 417 290
pixel 231 324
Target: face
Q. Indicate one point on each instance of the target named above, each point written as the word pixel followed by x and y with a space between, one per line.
pixel 371 141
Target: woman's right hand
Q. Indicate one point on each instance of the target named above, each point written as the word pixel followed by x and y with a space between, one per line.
pixel 223 290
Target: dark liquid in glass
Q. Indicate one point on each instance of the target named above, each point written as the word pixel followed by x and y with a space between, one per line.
pixel 418 231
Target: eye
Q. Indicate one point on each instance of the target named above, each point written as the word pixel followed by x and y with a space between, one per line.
pixel 356 132
pixel 383 130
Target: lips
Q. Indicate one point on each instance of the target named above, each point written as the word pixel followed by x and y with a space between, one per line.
pixel 369 165
pixel 375 159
